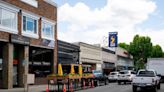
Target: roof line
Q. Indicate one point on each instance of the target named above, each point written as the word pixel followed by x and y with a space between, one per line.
pixel 51 2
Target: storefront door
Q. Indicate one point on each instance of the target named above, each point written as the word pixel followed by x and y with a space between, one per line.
pixel 15 66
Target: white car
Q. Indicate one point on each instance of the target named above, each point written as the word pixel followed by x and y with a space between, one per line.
pixel 147 79
pixel 113 76
pixel 126 76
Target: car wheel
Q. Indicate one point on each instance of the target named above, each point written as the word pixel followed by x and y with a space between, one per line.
pixel 134 89
pixel 119 82
pixel 155 89
pixel 106 82
pixel 159 86
pixel 98 83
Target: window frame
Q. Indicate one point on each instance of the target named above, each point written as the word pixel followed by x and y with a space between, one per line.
pixel 26 32
pixel 33 3
pixel 53 29
pixel 4 7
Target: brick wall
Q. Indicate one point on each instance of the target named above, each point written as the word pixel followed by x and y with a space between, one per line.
pixel 44 9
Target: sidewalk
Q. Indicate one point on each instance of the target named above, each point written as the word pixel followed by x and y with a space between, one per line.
pixel 32 88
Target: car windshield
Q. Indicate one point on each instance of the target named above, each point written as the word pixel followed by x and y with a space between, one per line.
pixel 146 74
pixel 96 71
pixel 124 72
pixel 113 73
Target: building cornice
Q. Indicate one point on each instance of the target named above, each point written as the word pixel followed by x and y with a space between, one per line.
pixel 51 2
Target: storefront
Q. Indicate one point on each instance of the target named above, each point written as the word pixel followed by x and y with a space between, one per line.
pixel 124 60
pixel 90 55
pixel 27 41
pixel 40 63
pixel 20 47
pixel 68 54
pixel 109 59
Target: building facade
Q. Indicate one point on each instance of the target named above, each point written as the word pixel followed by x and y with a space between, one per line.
pixel 28 33
pixel 68 54
pixel 90 55
pixel 109 58
pixel 124 59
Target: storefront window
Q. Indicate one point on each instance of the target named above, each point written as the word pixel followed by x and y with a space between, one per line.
pixel 40 62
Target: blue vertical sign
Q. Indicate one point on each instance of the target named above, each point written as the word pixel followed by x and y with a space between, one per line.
pixel 113 39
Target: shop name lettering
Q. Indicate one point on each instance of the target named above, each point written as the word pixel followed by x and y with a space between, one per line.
pixel 41 63
pixel 19 39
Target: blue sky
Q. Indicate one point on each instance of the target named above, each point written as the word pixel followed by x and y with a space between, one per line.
pixel 150 23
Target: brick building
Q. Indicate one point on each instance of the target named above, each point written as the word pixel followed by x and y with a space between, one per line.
pixel 28 33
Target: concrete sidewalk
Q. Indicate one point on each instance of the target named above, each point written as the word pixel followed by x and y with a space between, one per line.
pixel 32 88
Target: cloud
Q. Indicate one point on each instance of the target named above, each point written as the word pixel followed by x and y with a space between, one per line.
pixel 90 25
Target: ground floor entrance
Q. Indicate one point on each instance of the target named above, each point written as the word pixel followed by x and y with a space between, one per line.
pixel 108 67
pixel 12 64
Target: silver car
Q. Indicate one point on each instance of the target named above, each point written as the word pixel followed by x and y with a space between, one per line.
pixel 113 76
pixel 126 76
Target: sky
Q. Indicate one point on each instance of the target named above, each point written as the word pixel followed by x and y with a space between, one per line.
pixel 90 21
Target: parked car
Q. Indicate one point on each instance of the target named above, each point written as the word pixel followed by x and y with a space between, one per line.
pixel 125 76
pixel 113 76
pixel 146 79
pixel 100 79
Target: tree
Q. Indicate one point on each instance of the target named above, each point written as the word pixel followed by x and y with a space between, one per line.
pixel 123 45
pixel 157 51
pixel 141 49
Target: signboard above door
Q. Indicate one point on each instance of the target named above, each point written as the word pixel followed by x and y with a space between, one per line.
pixel 19 39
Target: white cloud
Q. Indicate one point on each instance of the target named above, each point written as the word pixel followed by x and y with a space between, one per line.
pixel 88 25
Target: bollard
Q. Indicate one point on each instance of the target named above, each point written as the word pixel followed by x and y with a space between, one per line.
pixel 71 87
pixel 47 90
pixel 92 84
pixel 83 84
pixel 64 88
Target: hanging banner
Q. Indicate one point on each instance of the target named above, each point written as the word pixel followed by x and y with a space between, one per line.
pixel 113 39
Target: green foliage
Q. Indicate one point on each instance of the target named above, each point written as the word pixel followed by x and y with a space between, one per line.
pixel 157 51
pixel 124 45
pixel 141 47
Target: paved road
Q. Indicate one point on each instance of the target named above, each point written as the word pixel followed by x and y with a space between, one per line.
pixel 113 87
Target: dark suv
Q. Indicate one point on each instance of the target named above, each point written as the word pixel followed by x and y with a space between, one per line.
pixel 100 78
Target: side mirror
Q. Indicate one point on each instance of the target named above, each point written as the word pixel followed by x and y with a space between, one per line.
pixel 159 75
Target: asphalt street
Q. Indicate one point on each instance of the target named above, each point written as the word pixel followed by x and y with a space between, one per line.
pixel 114 87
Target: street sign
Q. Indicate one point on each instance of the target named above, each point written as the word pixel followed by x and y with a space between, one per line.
pixel 113 39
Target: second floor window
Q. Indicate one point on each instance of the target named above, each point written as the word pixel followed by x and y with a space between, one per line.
pixel 8 20
pixel 47 30
pixel 30 25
